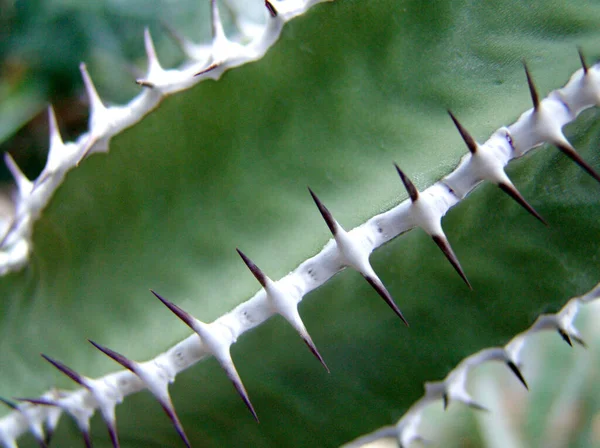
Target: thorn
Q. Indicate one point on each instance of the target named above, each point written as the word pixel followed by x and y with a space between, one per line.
pixel 53 129
pixel 579 341
pixel 313 348
pixel 87 439
pixel 87 148
pixel 217 26
pixel 570 152
pixel 210 68
pixel 565 336
pixel 185 317
pixel 294 320
pixel 272 11
pixel 510 190
pixel 445 400
pixel 477 406
pixel 226 363
pixel 66 370
pixel 112 432
pixel 532 90
pixel 512 366
pixel 239 386
pixel 582 59
pixel 128 364
pixel 144 83
pixel 410 187
pixel 385 295
pixel 444 245
pixel 327 216
pixel 178 426
pixel 9 403
pixel 258 274
pixel 469 140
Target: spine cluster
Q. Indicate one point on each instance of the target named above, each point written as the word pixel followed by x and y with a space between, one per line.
pixel 543 123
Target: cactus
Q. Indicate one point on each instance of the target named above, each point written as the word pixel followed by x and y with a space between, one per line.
pixel 346 91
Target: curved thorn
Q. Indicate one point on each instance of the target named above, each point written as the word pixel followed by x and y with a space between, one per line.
pixel 570 152
pixel 514 193
pixel 565 336
pixel 178 426
pixel 313 348
pixel 469 140
pixel 532 90
pixel 444 245
pixel 258 274
pixel 513 367
pixel 128 364
pixel 327 216
pixel 582 59
pixel 272 11
pixel 184 316
pixel 385 295
pixel 66 370
pixel 410 187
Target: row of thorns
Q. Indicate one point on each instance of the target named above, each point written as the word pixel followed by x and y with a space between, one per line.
pixel 353 258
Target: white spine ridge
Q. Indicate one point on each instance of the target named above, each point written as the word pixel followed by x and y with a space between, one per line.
pixel 454 386
pixel 541 124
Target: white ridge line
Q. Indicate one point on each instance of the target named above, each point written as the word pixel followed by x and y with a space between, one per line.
pixel 405 431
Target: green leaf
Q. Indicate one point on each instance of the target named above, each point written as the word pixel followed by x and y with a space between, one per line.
pixel 350 88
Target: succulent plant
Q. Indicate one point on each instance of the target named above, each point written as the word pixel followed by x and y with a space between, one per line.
pixel 343 92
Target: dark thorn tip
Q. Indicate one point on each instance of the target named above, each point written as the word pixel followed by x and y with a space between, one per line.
pixel 144 83
pixel 112 432
pixel 313 348
pixel 87 439
pixel 327 216
pixel 9 403
pixel 445 400
pixel 237 383
pixel 183 315
pixel 128 364
pixel 413 193
pixel 272 11
pixel 210 68
pixel 532 90
pixel 514 193
pixel 513 367
pixel 565 336
pixel 66 370
pixel 582 59
pixel 258 274
pixel 575 157
pixel 385 295
pixel 468 138
pixel 444 245
pixel 170 411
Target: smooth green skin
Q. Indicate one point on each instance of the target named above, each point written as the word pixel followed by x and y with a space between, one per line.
pixel 350 88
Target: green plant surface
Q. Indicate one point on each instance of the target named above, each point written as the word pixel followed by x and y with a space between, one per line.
pixel 350 88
